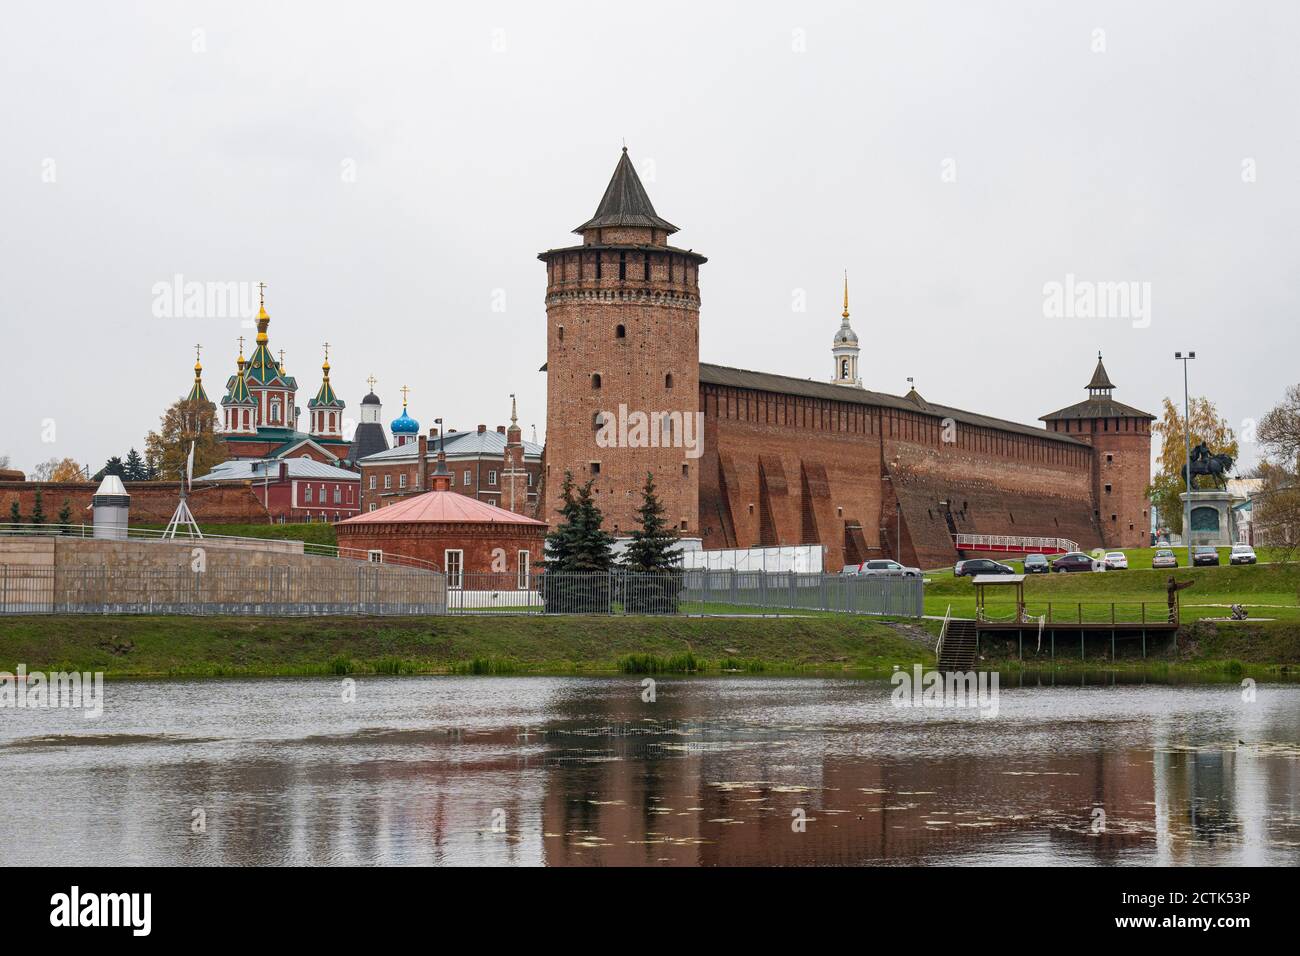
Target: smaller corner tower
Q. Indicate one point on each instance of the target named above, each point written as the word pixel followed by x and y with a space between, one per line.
pixel 1120 436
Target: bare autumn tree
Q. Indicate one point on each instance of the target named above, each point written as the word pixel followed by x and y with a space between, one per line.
pixel 184 422
pixel 1275 508
pixel 1208 427
pixel 1279 431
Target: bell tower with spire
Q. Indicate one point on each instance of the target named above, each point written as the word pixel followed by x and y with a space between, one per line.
pixel 622 346
pixel 844 347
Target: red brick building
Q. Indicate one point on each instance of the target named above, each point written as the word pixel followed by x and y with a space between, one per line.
pixel 478 464
pixel 292 489
pixel 455 532
pixel 785 460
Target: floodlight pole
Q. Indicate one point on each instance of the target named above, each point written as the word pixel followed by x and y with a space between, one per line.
pixel 1187 436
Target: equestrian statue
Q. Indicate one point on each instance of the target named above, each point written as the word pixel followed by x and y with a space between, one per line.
pixel 1205 463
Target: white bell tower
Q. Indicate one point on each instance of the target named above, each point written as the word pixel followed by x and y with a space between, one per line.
pixel 844 348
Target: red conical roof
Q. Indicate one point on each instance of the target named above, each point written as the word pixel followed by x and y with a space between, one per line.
pixel 440 507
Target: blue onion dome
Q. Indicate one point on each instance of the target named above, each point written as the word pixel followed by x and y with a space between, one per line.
pixel 404 424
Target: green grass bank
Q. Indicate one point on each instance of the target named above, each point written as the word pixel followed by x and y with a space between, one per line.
pixel 178 646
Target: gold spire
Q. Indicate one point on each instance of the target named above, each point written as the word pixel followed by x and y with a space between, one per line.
pixel 514 418
pixel 846 293
pixel 371 381
pixel 263 320
pixel 241 351
pixel 326 367
pixel 198 366
pixel 404 391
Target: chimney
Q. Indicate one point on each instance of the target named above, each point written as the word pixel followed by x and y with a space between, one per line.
pixel 501 429
pixel 422 463
pixel 433 433
pixel 482 429
pixel 284 471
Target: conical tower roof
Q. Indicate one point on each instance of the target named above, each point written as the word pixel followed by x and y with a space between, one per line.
pixel 1100 380
pixel 626 202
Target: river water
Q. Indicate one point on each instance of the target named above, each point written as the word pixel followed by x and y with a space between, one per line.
pixel 577 771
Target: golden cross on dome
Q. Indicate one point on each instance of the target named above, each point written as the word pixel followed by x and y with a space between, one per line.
pixel 261 294
pixel 371 382
pixel 281 358
pixel 241 346
pixel 327 351
pixel 197 350
pixel 404 391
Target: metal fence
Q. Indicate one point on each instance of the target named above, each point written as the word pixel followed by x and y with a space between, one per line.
pixel 375 589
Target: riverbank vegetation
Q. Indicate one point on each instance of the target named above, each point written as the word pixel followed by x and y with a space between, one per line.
pixel 175 646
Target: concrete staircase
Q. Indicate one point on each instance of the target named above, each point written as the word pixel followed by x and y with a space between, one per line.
pixel 957 652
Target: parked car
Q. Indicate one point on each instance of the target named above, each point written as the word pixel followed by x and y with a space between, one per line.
pixel 1242 554
pixel 973 566
pixel 888 569
pixel 1164 558
pixel 1036 564
pixel 1205 554
pixel 1116 561
pixel 1077 561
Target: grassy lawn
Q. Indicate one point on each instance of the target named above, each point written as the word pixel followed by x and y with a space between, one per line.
pixel 1267 590
pixel 144 646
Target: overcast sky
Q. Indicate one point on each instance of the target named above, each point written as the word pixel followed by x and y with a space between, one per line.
pixel 392 170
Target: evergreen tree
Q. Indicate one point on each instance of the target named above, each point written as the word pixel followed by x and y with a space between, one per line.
pixel 654 583
pixel 65 515
pixel 578 555
pixel 15 515
pixel 135 467
pixel 38 509
pixel 654 544
pixel 113 466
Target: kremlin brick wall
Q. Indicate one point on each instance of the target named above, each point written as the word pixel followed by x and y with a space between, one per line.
pixel 152 502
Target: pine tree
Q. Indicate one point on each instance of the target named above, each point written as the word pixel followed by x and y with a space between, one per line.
pixel 65 515
pixel 135 467
pixel 38 509
pixel 15 514
pixel 654 583
pixel 113 466
pixel 654 544
pixel 578 555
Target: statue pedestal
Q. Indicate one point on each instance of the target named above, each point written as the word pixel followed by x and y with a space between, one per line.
pixel 1211 517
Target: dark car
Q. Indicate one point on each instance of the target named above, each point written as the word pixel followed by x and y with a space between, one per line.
pixel 1204 554
pixel 1036 564
pixel 1077 561
pixel 974 566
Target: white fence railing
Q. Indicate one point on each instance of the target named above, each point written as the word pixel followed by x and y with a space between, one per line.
pixel 1011 542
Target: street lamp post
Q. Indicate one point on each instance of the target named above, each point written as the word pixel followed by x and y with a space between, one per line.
pixel 1187 436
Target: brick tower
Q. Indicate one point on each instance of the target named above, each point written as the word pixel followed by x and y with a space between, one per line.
pixel 622 360
pixel 1121 463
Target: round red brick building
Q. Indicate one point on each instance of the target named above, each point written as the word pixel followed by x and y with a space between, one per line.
pixel 458 534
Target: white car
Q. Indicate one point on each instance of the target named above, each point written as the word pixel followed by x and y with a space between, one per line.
pixel 1242 554
pixel 885 568
pixel 1116 561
